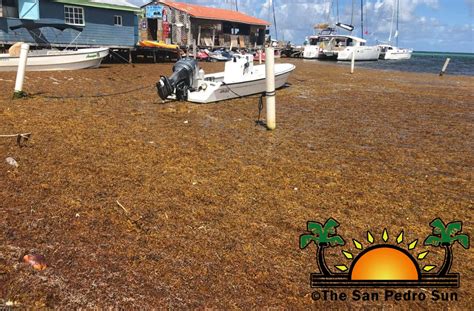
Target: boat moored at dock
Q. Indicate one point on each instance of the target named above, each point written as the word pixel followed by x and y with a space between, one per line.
pixel 54 60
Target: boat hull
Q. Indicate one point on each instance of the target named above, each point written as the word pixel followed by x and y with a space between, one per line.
pixel 361 53
pixel 312 52
pixel 396 55
pixel 223 91
pixel 57 60
pixel 390 52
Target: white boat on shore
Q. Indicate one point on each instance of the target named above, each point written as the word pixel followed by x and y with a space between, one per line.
pixel 53 60
pixel 240 78
pixel 49 59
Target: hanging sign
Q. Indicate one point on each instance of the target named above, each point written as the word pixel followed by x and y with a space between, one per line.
pixel 154 11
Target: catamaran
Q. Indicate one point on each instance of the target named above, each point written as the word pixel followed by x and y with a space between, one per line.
pixel 340 47
pixel 330 45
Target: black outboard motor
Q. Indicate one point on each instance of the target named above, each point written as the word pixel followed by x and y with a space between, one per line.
pixel 181 80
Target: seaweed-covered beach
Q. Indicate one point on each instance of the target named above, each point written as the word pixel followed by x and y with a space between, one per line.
pixel 139 204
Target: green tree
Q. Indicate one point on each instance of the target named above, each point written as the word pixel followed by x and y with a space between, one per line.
pixel 446 236
pixel 323 237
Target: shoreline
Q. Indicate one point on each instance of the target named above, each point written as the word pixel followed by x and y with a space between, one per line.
pixel 213 206
pixel 396 66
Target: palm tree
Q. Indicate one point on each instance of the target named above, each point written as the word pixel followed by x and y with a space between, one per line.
pixel 445 236
pixel 323 236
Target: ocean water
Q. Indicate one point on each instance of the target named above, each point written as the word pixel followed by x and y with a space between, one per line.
pixel 428 62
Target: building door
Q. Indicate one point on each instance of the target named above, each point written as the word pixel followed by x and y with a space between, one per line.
pixel 152 29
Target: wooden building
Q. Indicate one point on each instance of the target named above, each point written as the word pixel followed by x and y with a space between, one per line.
pixel 183 24
pixel 95 23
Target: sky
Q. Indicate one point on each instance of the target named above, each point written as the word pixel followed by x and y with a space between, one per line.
pixel 424 25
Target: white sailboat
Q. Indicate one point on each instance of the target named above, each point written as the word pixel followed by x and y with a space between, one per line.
pixel 240 78
pixel 389 51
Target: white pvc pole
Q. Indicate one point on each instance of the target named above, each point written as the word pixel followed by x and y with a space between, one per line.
pixel 270 77
pixel 353 60
pixel 259 57
pixel 20 74
pixel 445 66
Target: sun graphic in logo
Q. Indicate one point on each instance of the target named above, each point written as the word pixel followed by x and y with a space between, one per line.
pixel 384 264
pixel 384 261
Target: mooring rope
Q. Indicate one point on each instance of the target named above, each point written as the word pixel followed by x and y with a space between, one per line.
pixel 260 109
pixel 20 138
pixel 99 95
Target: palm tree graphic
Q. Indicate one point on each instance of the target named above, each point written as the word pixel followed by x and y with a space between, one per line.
pixel 323 236
pixel 446 236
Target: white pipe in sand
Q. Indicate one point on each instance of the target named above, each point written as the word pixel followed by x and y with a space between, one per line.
pixel 270 78
pixel 20 75
pixel 445 66
pixel 353 60
pixel 259 57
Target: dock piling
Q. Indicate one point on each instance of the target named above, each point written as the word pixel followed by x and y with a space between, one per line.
pixel 353 61
pixel 445 66
pixel 20 75
pixel 270 94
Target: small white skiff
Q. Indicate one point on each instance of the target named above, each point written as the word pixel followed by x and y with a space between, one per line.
pixel 52 60
pixel 240 78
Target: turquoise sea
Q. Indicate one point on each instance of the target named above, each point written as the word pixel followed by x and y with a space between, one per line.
pixel 428 62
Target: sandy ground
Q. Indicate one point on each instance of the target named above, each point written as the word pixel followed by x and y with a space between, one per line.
pixel 214 205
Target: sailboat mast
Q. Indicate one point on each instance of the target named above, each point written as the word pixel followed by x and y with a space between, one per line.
pixel 274 19
pixel 391 23
pixel 398 14
pixel 237 5
pixel 362 19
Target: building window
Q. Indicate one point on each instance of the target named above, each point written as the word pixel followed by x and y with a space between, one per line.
pixel 9 8
pixel 118 20
pixel 74 15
